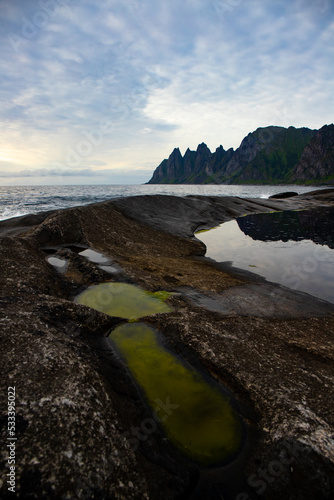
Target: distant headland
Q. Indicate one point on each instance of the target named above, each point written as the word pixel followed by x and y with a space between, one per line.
pixel 269 155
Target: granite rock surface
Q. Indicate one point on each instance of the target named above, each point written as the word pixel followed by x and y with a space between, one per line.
pixel 77 408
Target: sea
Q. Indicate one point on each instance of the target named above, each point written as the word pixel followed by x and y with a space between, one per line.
pixel 21 200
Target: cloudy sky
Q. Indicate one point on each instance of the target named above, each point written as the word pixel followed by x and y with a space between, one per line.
pixel 101 92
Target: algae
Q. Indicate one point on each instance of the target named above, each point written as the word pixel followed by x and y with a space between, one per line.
pixel 198 419
pixel 124 300
pixel 196 416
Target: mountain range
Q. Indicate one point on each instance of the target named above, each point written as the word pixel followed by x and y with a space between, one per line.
pixel 269 155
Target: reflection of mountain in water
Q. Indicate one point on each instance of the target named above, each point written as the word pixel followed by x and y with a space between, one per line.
pixel 316 225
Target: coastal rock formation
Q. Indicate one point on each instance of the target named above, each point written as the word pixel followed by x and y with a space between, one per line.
pixel 83 428
pixel 286 194
pixel 269 155
pixel 179 169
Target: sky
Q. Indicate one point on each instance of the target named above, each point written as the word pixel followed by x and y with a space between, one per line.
pixel 101 92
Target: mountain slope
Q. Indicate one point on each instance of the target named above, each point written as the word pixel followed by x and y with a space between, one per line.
pixel 269 155
pixel 317 161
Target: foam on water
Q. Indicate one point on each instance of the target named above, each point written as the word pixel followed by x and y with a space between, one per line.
pixel 21 200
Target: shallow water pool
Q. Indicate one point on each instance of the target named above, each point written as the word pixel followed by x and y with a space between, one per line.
pixel 94 256
pixel 196 416
pixel 124 300
pixel 60 264
pixel 292 248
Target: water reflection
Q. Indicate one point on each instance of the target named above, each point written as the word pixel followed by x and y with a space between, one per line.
pixel 316 225
pixel 95 257
pixel 293 248
pixel 60 264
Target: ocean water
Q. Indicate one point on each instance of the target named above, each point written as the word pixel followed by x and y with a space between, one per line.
pixel 22 200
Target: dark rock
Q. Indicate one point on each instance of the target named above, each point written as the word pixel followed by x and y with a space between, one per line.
pixel 316 225
pixel 202 160
pixel 281 196
pixel 181 216
pixel 17 225
pixel 178 169
pixel 169 169
pixel 189 162
pixel 75 402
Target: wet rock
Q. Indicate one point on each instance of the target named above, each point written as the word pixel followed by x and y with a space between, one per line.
pixel 76 406
pixel 262 300
pixel 286 194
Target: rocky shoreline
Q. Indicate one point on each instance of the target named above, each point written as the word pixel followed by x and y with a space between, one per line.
pixel 76 405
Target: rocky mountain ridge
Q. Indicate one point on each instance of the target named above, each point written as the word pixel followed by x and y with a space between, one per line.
pixel 269 155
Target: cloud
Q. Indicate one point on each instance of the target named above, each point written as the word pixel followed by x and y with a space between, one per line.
pixel 257 79
pixel 54 172
pixel 163 74
pixel 49 172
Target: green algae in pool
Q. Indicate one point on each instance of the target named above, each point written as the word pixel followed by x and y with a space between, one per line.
pixel 200 420
pixel 124 300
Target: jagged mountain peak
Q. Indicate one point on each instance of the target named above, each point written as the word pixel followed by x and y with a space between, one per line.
pixel 203 147
pixel 269 155
pixel 176 152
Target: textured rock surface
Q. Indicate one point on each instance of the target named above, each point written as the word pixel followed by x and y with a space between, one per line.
pixel 182 216
pixel 76 405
